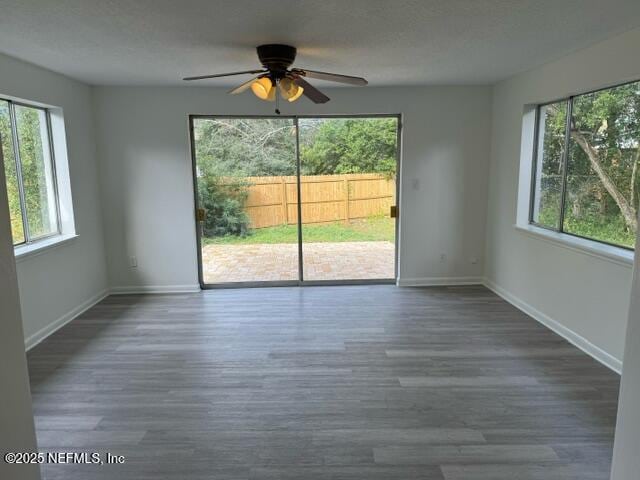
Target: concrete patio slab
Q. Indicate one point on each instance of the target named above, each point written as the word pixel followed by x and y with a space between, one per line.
pixel 322 261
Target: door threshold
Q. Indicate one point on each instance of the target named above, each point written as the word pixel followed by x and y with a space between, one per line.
pixel 305 283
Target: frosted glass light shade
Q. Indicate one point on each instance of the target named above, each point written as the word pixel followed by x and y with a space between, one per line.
pixel 289 90
pixel 263 89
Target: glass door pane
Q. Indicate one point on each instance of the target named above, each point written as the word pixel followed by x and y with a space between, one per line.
pixel 246 173
pixel 348 186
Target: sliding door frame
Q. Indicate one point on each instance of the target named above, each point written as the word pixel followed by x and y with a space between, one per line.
pixel 300 281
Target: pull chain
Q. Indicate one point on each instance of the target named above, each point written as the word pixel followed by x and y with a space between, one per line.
pixel 277 98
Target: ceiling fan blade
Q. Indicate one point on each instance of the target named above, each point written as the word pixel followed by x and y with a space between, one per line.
pixel 202 77
pixel 331 77
pixel 311 92
pixel 241 88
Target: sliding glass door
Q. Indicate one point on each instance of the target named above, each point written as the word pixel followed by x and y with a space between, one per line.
pixel 256 179
pixel 348 188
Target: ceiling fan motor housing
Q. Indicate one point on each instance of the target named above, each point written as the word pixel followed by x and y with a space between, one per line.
pixel 276 58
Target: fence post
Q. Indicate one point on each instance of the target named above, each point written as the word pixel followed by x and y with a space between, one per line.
pixel 346 200
pixel 285 203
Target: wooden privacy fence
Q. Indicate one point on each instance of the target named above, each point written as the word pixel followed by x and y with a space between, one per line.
pixel 325 198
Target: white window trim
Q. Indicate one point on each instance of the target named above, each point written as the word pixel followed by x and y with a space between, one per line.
pixel 65 200
pixel 38 247
pixel 593 248
pixel 620 256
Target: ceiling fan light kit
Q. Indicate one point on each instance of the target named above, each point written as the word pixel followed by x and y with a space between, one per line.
pixel 278 77
pixel 289 90
pixel 263 89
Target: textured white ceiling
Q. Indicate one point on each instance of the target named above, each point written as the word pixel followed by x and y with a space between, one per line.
pixel 390 42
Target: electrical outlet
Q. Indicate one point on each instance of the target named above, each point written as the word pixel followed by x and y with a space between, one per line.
pixel 473 260
pixel 133 261
pixel 443 257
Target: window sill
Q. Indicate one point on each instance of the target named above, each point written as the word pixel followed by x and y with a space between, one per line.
pixel 581 245
pixel 23 252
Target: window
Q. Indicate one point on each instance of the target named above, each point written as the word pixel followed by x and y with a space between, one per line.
pixel 585 169
pixel 29 171
pixel 552 119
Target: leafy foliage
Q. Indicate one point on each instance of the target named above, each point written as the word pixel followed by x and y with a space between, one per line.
pixel 266 146
pixel 350 145
pixel 245 147
pixel 612 230
pixel 224 200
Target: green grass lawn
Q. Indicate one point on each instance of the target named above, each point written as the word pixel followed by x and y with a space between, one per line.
pixel 608 228
pixel 370 229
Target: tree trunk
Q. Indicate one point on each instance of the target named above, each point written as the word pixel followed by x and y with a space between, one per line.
pixel 627 209
pixel 602 196
pixel 634 172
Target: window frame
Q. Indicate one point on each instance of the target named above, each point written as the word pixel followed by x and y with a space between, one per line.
pixel 534 165
pixel 565 161
pixel 28 239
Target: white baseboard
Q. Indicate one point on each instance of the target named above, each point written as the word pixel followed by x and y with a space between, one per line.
pixel 439 281
pixel 34 339
pixel 572 337
pixel 158 289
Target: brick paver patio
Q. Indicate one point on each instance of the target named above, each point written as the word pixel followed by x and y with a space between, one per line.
pixel 322 261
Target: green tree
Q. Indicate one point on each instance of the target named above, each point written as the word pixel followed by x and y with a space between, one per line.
pixel 605 128
pixel 245 147
pixel 224 201
pixel 258 147
pixel 350 145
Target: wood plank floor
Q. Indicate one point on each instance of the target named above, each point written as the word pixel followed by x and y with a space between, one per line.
pixel 342 383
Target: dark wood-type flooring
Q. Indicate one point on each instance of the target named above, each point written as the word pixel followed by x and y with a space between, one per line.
pixel 342 383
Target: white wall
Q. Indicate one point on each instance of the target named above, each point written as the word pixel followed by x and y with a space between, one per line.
pixel 626 461
pixel 16 415
pixel 147 190
pixel 55 284
pixel 587 295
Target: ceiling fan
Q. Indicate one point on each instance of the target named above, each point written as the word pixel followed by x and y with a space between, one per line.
pixel 276 76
